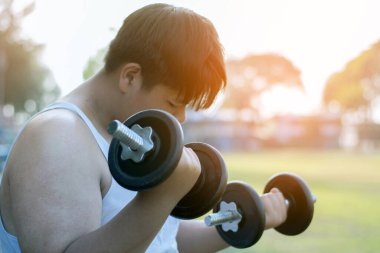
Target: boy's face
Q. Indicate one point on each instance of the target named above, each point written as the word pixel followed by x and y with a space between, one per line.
pixel 160 97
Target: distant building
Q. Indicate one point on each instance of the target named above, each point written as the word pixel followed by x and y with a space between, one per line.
pixel 361 136
pixel 232 131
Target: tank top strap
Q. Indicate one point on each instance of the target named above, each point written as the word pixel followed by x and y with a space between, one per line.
pixel 102 143
pixel 9 243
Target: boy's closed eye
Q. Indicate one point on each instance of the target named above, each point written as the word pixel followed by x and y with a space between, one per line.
pixel 175 104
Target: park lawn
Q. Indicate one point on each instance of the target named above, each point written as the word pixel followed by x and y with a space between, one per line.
pixel 347 186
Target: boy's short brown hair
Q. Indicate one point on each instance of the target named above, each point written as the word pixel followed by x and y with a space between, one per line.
pixel 175 47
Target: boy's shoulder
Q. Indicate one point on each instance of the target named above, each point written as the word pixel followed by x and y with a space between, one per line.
pixel 53 125
pixel 53 136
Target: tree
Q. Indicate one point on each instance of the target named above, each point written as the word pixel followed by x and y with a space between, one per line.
pixel 24 82
pixel 357 86
pixel 253 75
pixel 94 64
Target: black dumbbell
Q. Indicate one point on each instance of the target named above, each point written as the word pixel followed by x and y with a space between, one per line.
pixel 240 216
pixel 210 186
pixel 299 199
pixel 147 148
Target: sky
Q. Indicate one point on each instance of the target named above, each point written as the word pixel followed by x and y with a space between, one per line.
pixel 318 36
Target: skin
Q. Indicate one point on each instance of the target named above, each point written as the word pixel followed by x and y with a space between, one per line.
pixel 57 150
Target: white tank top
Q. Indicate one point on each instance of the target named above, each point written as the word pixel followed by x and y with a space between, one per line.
pixel 116 199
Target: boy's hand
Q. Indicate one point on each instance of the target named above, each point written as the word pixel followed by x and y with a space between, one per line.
pixel 275 208
pixel 182 179
pixel 187 171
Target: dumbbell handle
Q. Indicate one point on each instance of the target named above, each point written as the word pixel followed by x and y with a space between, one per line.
pixel 222 217
pixel 139 143
pixel 228 217
pixel 126 135
pixel 225 216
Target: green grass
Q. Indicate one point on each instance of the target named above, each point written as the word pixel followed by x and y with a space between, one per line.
pixel 347 186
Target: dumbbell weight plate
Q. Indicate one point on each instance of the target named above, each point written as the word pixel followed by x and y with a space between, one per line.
pixel 208 189
pixel 301 204
pixel 249 205
pixel 158 163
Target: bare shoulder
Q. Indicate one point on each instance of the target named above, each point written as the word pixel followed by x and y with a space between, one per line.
pixel 53 181
pixel 53 138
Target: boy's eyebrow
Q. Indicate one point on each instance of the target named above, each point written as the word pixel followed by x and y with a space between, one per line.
pixel 178 101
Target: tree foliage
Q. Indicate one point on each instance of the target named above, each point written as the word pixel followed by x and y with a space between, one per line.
pixel 23 79
pixel 94 64
pixel 253 75
pixel 358 84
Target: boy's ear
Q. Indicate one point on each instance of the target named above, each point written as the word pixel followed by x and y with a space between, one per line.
pixel 129 74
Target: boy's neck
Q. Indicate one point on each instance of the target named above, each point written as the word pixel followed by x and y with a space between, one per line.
pixel 99 99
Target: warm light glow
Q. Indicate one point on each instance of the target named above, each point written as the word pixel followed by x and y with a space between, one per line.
pixel 281 100
pixel 317 36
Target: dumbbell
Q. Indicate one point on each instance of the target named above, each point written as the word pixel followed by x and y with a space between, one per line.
pixel 240 216
pixel 147 147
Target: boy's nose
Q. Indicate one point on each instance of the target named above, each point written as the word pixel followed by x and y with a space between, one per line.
pixel 181 116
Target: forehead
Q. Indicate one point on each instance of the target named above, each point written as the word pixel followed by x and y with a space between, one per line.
pixel 168 92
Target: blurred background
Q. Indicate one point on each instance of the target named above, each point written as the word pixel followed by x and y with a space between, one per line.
pixel 303 96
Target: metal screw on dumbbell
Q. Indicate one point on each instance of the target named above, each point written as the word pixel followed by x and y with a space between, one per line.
pixel 136 141
pixel 228 217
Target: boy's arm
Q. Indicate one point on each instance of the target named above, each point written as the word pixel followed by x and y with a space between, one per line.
pixel 55 174
pixel 195 236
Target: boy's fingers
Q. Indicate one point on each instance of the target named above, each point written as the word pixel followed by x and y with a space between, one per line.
pixel 274 190
pixel 279 197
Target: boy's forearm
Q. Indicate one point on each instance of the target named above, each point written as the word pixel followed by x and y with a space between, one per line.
pixel 132 230
pixel 195 236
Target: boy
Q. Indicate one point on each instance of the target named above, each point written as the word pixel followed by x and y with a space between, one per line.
pixel 57 194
